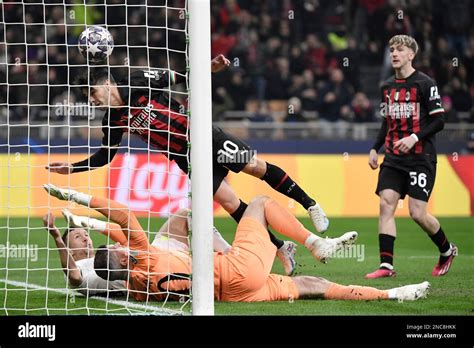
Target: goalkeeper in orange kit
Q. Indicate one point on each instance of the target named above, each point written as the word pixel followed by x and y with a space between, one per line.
pixel 240 275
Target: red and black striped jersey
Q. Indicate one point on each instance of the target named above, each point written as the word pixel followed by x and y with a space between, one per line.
pixel 409 106
pixel 150 113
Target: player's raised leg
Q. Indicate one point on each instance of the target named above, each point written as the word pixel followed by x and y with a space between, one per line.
pixel 286 224
pixel 227 198
pixel 178 226
pixel 279 180
pixel 116 212
pixel 387 233
pixel 314 287
pixel 419 213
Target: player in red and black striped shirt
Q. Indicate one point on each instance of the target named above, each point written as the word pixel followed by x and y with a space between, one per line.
pixel 412 115
pixel 142 106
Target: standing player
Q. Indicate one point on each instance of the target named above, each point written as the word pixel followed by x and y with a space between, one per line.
pixel 146 109
pixel 413 115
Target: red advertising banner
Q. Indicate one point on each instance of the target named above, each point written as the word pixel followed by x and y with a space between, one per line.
pixel 148 184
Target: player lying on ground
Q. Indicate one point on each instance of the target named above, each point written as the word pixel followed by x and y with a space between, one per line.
pixel 413 115
pixel 160 121
pixel 242 275
pixel 76 250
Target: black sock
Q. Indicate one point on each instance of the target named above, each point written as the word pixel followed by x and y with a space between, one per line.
pixel 386 243
pixel 439 238
pixel 237 216
pixel 277 242
pixel 280 181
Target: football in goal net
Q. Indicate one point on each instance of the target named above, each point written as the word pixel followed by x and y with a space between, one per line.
pixel 96 158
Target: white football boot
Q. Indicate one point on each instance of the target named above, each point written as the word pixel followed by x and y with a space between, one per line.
pixel 412 292
pixel 286 254
pixel 62 194
pixel 324 248
pixel 319 218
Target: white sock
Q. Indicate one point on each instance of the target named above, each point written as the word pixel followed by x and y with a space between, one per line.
pixel 448 253
pixel 386 265
pixel 82 198
pixel 308 243
pixel 97 225
pixel 392 294
pixel 219 243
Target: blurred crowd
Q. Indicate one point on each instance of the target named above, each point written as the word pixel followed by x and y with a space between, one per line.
pixel 329 57
pixel 39 43
pixel 292 60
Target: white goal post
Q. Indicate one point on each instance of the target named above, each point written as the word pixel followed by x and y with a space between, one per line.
pixel 201 156
pixel 45 117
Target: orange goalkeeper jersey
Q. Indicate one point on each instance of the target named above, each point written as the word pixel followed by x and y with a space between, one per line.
pixel 157 273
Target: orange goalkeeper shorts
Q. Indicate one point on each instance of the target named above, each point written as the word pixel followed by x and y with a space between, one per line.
pixel 244 272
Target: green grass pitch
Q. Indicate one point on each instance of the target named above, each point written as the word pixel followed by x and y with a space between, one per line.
pixel 415 256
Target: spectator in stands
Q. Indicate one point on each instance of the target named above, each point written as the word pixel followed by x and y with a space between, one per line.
pixel 221 102
pixel 222 43
pixel 228 13
pixel 398 22
pixel 262 114
pixel 457 22
pixel 297 63
pixel 303 87
pixel 362 112
pixel 315 55
pixel 262 37
pixel 469 149
pixel 460 96
pixel 350 62
pixel 334 105
pixel 278 80
pixel 441 61
pixel 450 114
pixel 294 111
pixel 239 89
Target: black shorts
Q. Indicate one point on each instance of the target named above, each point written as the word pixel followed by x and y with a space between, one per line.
pixel 413 178
pixel 228 153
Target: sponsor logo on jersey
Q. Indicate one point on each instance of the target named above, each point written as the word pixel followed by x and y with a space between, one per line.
pixel 434 93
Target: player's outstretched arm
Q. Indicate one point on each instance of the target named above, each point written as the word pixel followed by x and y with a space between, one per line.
pixel 99 159
pixel 63 168
pixel 219 63
pixel 67 262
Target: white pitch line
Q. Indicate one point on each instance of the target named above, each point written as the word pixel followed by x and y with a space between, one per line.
pixel 156 310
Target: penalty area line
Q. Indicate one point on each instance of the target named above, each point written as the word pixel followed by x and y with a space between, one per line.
pixel 154 310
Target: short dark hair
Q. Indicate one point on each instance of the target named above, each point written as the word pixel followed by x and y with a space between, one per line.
pixel 106 265
pixel 96 77
pixel 65 235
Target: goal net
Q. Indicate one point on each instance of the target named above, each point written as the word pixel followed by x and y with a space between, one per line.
pixel 45 117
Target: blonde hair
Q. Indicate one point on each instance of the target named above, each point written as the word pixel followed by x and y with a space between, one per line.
pixel 404 40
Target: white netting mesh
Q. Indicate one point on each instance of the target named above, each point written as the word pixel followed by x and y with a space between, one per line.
pixel 45 118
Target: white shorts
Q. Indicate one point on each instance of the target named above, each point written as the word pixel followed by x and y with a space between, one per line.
pixel 165 243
